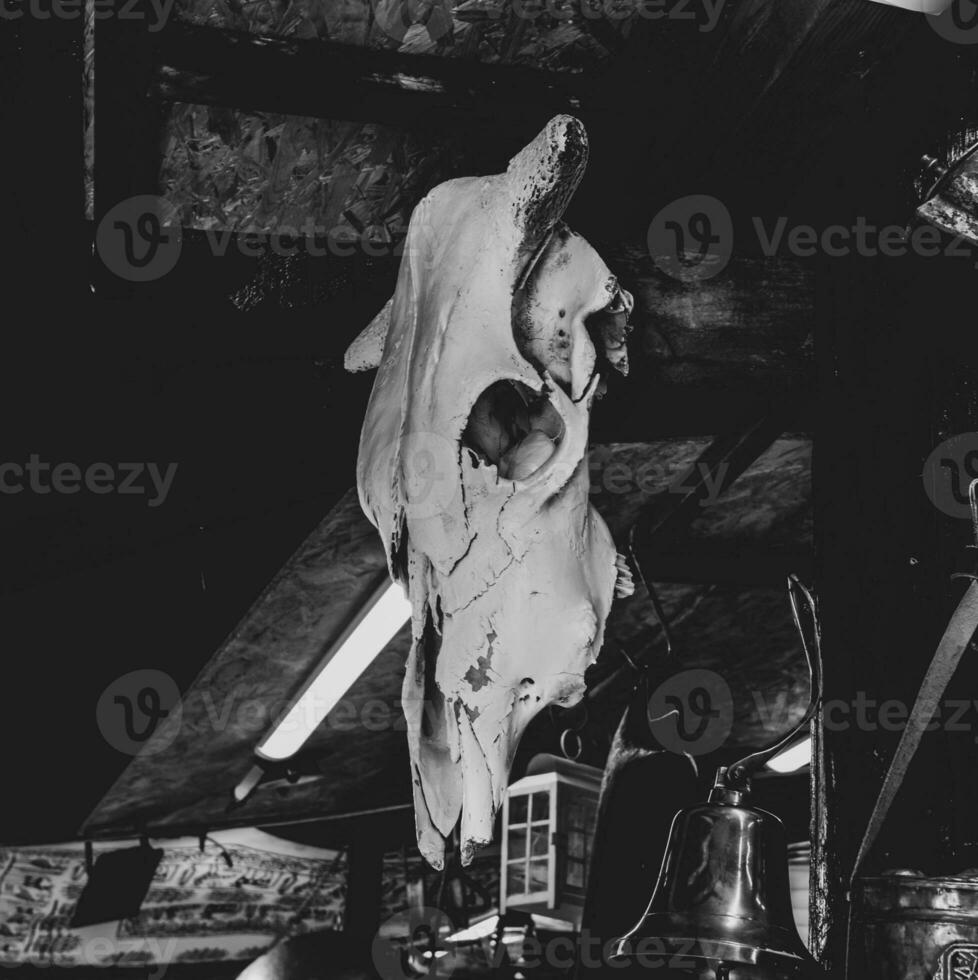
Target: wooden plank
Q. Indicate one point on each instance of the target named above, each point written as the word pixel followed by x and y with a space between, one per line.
pixel 751 324
pixel 325 79
pixel 262 664
pixel 645 412
pixel 726 458
pixel 703 566
pixel 663 524
pixel 708 357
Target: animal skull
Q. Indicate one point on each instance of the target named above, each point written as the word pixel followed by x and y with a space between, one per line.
pixel 473 467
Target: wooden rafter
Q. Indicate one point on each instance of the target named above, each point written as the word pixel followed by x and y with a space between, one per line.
pixel 210 66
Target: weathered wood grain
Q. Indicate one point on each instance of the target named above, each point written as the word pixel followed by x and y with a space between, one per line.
pixel 707 357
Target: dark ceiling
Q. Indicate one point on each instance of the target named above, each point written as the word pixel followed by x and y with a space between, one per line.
pixel 819 111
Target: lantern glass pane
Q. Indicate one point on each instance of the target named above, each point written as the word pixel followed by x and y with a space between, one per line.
pixel 540 841
pixel 538 875
pixel 517 844
pixel 575 844
pixel 541 806
pixel 575 874
pixel 581 813
pixel 516 878
pixel 517 809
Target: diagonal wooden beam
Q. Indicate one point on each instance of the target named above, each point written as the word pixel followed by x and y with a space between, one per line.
pixel 724 459
pixel 661 527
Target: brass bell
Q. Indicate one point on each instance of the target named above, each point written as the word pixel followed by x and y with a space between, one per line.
pixel 721 909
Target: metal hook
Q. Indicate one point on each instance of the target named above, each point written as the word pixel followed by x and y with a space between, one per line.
pixel 628 660
pixel 563 744
pixel 973 504
pixel 575 730
pixel 653 595
pixel 741 771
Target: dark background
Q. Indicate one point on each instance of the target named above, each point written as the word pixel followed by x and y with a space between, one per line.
pixel 255 409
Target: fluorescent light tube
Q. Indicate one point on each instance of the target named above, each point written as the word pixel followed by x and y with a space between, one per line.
pixel 387 610
pixel 931 7
pixel 793 758
pixel 251 779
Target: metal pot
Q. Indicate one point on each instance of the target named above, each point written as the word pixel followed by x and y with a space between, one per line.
pixel 907 926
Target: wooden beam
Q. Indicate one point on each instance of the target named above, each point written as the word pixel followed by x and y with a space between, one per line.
pixel 636 412
pixel 725 459
pixel 702 566
pixel 752 323
pixel 251 72
pixel 708 357
pixel 128 136
pixel 663 523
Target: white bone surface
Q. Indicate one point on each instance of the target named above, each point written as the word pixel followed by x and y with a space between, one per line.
pixel 366 352
pixel 480 493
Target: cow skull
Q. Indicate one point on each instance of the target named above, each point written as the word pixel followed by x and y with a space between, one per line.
pixel 473 467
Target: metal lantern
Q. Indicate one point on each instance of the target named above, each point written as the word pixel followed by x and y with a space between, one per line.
pixel 549 818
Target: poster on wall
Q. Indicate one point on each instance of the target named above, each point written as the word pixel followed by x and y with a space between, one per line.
pixel 231 900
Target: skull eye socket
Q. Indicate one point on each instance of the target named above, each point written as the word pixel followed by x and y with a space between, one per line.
pixel 617 304
pixel 513 428
pixel 608 329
